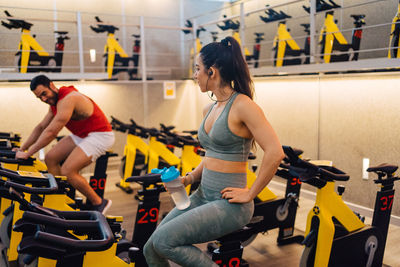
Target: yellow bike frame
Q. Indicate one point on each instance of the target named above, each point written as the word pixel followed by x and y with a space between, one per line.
pixel 283 38
pixel 189 160
pixel 133 143
pixel 27 42
pixel 156 150
pixel 110 48
pixel 396 19
pixel 236 36
pixel 329 204
pixel 332 32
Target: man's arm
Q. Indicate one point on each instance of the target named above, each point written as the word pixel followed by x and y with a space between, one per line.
pixel 65 109
pixel 37 131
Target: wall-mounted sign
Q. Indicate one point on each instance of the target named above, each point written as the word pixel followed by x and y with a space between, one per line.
pixel 169 90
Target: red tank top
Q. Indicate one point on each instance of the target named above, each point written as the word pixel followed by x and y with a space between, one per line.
pixel 97 122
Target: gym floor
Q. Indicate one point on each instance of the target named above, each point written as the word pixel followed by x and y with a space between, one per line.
pixel 263 251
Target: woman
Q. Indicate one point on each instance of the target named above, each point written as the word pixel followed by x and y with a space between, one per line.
pixel 222 203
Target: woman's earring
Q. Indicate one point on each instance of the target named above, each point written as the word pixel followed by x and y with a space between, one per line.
pixel 232 83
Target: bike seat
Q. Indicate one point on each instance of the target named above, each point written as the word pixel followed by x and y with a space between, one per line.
pixel 384 167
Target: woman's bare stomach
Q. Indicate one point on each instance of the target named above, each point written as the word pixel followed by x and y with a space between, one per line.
pixel 219 165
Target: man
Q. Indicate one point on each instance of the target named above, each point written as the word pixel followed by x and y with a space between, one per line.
pixel 91 135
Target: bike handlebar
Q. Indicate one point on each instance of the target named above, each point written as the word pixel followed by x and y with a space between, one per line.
pixel 151 178
pixel 7 154
pixel 20 180
pixel 308 171
pixel 74 220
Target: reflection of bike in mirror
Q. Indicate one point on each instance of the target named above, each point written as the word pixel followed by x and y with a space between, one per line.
pixel 31 56
pixel 285 49
pixel 334 46
pixel 120 61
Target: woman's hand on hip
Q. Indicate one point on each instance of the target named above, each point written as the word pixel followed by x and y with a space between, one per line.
pixel 236 195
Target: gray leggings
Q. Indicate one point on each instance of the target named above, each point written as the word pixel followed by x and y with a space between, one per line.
pixel 207 218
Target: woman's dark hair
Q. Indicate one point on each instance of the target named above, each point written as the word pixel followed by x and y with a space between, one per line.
pixel 227 57
pixel 40 80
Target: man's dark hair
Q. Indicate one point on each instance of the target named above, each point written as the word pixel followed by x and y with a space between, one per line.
pixel 40 80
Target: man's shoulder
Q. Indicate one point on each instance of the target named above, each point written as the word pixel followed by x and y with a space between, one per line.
pixel 71 98
pixel 67 89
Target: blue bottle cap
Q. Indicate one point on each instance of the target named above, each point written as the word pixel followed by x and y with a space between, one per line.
pixel 170 174
pixel 161 171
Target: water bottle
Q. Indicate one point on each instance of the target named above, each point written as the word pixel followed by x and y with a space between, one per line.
pixel 170 178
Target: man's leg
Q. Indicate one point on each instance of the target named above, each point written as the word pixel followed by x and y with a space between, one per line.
pixel 59 153
pixel 76 161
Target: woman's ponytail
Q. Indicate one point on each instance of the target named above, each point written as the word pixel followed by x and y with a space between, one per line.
pixel 228 58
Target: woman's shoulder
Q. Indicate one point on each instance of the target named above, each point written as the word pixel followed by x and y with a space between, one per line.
pixel 243 101
pixel 243 106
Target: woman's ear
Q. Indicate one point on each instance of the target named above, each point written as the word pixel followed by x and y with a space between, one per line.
pixel 211 71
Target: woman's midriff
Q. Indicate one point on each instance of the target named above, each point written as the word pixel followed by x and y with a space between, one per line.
pixel 219 165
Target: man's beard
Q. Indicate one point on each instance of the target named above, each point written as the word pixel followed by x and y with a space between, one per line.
pixel 54 99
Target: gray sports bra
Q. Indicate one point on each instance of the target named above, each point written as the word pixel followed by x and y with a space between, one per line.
pixel 220 142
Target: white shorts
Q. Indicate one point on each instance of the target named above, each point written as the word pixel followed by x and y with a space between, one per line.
pixel 95 144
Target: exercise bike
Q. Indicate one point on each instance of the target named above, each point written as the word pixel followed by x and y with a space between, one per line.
pixel 136 152
pixel 15 139
pixel 141 157
pixel 286 50
pixel 335 235
pixel 114 63
pixel 331 40
pixel 37 59
pixel 66 238
pixel 148 211
pixel 285 46
pixel 10 240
